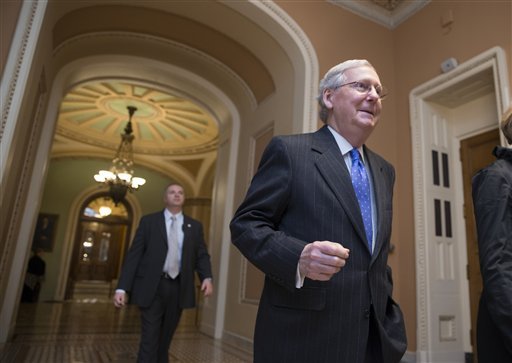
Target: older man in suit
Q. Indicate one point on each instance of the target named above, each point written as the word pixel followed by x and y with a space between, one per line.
pixel 158 273
pixel 317 221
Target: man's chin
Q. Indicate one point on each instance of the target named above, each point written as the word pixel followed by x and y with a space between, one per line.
pixel 368 122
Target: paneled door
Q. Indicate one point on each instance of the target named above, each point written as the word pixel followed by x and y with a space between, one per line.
pixel 98 250
pixel 476 153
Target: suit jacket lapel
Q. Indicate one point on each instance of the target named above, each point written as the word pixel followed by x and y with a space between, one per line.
pixel 162 228
pixel 332 167
pixel 378 178
pixel 186 236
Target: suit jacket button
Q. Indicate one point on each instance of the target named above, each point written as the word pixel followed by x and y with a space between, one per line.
pixel 367 313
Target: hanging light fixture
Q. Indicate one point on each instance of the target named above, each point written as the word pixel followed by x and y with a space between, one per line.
pixel 120 177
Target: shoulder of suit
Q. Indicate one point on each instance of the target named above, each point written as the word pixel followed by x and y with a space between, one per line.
pixel 187 219
pixel 498 171
pixel 294 139
pixel 154 215
pixel 299 144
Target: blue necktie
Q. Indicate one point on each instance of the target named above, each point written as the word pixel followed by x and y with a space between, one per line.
pixel 362 189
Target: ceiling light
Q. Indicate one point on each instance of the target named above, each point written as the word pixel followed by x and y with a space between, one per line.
pixel 120 177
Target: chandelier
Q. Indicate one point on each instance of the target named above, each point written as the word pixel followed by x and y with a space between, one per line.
pixel 120 177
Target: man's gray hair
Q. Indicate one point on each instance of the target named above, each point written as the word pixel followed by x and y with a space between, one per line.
pixel 333 79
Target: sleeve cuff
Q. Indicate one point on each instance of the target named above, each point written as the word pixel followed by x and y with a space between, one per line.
pixel 299 280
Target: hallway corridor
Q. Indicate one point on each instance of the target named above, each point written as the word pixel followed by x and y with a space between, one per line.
pixel 92 330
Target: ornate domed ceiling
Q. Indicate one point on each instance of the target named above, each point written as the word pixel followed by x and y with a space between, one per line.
pixel 163 124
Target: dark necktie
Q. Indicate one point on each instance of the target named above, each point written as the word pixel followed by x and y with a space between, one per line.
pixel 362 188
pixel 173 261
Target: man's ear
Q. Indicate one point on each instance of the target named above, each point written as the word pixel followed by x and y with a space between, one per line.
pixel 327 98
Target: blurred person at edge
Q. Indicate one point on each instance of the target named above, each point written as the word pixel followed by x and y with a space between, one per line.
pixel 492 201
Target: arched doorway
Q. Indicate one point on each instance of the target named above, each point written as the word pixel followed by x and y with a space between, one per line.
pixel 222 82
pixel 101 238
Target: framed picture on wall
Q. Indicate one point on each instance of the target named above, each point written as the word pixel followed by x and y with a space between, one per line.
pixel 44 234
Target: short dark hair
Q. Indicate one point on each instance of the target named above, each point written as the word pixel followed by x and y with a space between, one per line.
pixel 173 183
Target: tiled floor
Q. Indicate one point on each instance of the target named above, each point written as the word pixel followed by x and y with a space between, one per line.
pixel 89 331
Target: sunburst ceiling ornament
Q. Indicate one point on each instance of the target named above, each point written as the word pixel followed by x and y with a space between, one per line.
pixel 165 124
pixel 389 13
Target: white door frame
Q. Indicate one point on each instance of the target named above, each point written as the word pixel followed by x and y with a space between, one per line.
pixel 443 316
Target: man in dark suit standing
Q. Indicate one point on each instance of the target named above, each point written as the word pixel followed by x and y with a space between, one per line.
pixel 158 273
pixel 317 221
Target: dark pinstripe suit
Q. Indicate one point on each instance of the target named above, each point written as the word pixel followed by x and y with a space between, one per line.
pixel 301 193
pixel 146 257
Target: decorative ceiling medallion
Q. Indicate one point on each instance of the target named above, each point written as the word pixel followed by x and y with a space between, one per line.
pixel 164 124
pixel 389 13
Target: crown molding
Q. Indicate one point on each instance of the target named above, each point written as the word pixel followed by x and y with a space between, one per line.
pixel 379 14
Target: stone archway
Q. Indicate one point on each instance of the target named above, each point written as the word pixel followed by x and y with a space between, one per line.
pixel 226 91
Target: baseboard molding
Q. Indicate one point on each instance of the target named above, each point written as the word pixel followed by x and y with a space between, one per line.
pixel 440 356
pixel 238 341
pixel 207 329
pixel 409 357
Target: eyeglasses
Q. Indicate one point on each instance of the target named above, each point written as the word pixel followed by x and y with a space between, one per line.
pixel 363 87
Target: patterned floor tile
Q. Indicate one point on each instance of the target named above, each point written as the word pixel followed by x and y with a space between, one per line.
pixel 87 331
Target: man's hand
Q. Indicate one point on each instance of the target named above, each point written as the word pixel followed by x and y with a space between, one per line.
pixel 320 260
pixel 119 299
pixel 207 287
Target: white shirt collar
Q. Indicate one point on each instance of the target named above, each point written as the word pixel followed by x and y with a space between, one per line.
pixel 343 144
pixel 168 215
